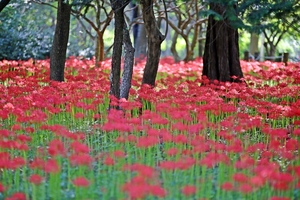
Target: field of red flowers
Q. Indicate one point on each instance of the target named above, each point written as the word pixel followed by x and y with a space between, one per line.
pixel 184 139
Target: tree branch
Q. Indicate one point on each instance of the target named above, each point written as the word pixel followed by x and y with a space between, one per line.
pixel 3 4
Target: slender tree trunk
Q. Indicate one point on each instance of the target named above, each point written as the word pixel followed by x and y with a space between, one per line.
pixel 60 42
pixel 3 4
pixel 253 43
pixel 128 64
pixel 118 8
pixel 221 56
pixel 135 13
pixel 141 43
pixel 155 39
pixel 99 53
pixel 173 47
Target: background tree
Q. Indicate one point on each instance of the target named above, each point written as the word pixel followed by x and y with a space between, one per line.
pixel 155 38
pixel 139 32
pixel 60 41
pixel 99 23
pixel 185 20
pixel 274 19
pixel 118 8
pixel 221 55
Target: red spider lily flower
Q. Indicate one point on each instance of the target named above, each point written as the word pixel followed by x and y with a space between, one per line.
pixel 153 132
pixel 168 165
pixel 51 166
pixel 36 163
pixel 4 159
pixel 225 135
pixel 281 180
pixel 157 191
pixel 208 162
pixel 119 154
pixel 181 138
pixel 137 188
pixel 56 147
pixel 97 116
pixel 185 163
pixel 245 162
pixel 212 158
pixel 114 101
pixel 37 116
pixel 17 162
pixel 280 198
pixel 195 128
pixel 24 138
pixel 188 190
pixel 245 188
pixel 289 155
pixel 180 126
pixel 77 136
pixel 2 188
pixel 165 135
pixel 143 170
pixel 235 147
pixel 81 182
pixel 292 145
pixel 79 115
pixel 5 133
pixel 297 170
pixel 298 185
pixel 147 141
pixel 29 129
pixel 257 181
pixel 81 159
pixel 279 133
pixel 239 177
pixel 109 161
pixel 266 170
pixel 296 131
pixel 17 196
pixel 79 147
pixel 16 127
pixel 35 179
pixel 280 185
pixel 172 151
pixel 227 186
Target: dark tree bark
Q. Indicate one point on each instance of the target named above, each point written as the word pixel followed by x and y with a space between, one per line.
pixel 60 42
pixel 128 64
pixel 3 3
pixel 141 43
pixel 118 8
pixel 221 54
pixel 139 34
pixel 155 38
pixel 135 14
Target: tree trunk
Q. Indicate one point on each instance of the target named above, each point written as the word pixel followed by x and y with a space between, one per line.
pixel 135 14
pixel 221 54
pixel 253 43
pixel 3 4
pixel 128 64
pixel 141 42
pixel 118 8
pixel 60 42
pixel 155 39
pixel 173 47
pixel 99 53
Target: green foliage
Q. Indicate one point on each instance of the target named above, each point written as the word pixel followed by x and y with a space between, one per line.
pixel 20 37
pixel 256 15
